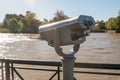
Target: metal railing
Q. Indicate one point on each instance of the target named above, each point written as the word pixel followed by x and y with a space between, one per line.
pixel 9 69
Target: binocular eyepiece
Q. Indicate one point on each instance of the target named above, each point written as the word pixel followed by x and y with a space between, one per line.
pixel 88 23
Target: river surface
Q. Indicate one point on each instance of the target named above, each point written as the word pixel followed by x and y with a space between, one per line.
pixel 98 48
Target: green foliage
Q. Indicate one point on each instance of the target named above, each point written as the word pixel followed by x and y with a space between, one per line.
pixel 4 30
pixel 119 13
pixel 45 21
pixel 9 16
pixel 21 24
pixel 27 24
pixel 0 25
pixel 118 23
pixel 31 23
pixel 59 15
pixel 113 23
pixel 12 25
pixel 100 25
pixel 96 27
pixel 20 27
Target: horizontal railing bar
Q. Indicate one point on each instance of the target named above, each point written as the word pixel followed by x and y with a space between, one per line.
pixel 98 66
pixel 56 63
pixel 45 63
pixel 102 73
pixel 35 69
pixel 2 60
pixel 83 72
pixel 77 65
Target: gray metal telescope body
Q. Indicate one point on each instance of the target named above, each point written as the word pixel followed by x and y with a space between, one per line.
pixel 71 31
pixel 67 32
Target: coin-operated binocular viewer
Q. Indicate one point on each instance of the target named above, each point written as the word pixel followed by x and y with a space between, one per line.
pixel 67 32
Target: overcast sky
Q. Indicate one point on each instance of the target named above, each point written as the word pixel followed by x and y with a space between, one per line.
pixel 99 9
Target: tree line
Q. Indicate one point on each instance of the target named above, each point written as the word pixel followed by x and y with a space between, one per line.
pixel 112 23
pixel 28 23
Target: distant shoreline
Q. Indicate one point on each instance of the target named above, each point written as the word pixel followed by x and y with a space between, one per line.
pixel 98 31
pixel 113 31
pixel 106 31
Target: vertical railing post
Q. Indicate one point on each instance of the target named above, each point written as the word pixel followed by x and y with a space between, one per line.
pixel 58 72
pixel 7 69
pixel 2 71
pixel 12 72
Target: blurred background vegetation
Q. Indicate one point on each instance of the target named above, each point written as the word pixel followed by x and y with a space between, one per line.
pixel 28 23
pixel 112 23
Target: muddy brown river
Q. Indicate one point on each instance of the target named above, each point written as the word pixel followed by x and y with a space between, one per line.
pixel 99 48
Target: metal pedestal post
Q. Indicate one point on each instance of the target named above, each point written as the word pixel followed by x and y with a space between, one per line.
pixel 68 65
